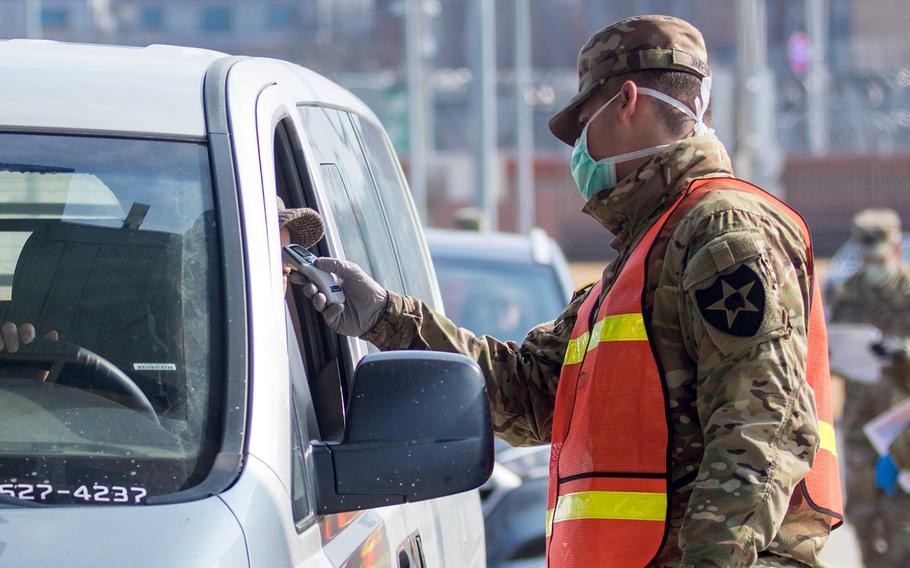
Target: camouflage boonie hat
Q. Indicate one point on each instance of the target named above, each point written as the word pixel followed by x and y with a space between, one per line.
pixel 877 231
pixel 304 224
pixel 634 44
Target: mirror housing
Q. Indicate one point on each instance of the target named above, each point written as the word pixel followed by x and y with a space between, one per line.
pixel 418 427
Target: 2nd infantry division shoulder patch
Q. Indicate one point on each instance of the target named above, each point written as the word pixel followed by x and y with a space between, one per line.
pixel 734 303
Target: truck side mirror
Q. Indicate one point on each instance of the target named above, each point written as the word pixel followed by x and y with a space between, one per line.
pixel 418 427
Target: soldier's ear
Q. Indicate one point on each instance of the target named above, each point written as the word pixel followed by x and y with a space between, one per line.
pixel 628 100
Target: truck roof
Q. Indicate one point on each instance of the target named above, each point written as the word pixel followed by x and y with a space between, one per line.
pixel 155 89
pixel 152 91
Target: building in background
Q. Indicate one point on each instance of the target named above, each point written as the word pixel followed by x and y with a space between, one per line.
pixel 361 44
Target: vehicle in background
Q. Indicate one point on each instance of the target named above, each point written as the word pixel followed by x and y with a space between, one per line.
pixel 503 285
pixel 500 284
pixel 188 398
pixel 845 262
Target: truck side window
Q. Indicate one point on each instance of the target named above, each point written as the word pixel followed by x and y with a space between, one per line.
pixel 403 224
pixel 320 349
pixel 355 204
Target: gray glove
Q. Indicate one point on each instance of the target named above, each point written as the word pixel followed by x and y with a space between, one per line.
pixel 364 298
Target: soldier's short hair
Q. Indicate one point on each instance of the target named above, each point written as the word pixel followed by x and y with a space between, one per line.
pixel 680 85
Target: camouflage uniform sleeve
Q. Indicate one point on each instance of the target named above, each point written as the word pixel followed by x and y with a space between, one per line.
pixel 743 321
pixel 521 380
pixel 845 305
pixel 900 449
pixel 837 304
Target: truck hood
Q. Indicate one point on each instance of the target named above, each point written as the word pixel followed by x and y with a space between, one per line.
pixel 196 534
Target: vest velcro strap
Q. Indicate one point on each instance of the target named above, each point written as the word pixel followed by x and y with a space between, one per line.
pixel 613 505
pixel 827 438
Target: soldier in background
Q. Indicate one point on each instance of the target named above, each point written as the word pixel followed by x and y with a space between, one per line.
pixel 877 294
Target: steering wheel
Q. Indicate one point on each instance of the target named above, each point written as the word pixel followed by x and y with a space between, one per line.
pixel 102 374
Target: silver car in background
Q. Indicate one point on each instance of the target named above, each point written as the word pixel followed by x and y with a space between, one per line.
pixel 502 285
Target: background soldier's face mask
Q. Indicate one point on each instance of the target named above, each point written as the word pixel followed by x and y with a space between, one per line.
pixel 593 176
pixel 876 272
pixel 879 261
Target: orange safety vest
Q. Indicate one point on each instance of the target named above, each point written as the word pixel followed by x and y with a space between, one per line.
pixel 609 494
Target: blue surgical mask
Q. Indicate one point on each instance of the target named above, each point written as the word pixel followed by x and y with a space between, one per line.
pixel 593 176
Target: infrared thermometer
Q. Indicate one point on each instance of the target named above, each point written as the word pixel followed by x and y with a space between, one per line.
pixel 304 262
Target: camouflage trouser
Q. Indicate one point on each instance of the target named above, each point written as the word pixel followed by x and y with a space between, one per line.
pixel 897 512
pixel 884 537
pixel 882 523
pixel 865 506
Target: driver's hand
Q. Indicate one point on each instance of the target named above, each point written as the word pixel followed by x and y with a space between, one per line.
pixel 12 336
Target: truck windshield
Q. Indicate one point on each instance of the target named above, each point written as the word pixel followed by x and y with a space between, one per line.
pixel 109 259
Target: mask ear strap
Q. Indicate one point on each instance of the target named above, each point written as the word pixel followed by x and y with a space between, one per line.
pixel 602 108
pixel 584 131
pixel 701 105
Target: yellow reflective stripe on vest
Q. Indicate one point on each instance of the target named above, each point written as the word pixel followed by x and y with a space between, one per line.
pixel 622 327
pixel 575 351
pixel 614 505
pixel 828 439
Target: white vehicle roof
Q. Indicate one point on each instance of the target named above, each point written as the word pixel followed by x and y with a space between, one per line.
pixel 155 90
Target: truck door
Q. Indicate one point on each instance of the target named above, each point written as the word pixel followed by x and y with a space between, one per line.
pixel 380 231
pixel 321 364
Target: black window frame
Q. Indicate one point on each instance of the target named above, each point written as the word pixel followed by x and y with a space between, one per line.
pixel 323 351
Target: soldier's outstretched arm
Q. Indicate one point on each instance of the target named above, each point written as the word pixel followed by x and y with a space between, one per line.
pixel 521 379
pixel 744 319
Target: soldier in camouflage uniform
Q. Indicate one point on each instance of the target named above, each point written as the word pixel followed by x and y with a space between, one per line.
pixel 743 429
pixel 879 295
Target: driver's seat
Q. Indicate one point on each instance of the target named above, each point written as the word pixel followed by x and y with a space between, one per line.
pixel 113 291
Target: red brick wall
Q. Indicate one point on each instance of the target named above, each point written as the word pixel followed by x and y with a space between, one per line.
pixel 827 191
pixel 557 210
